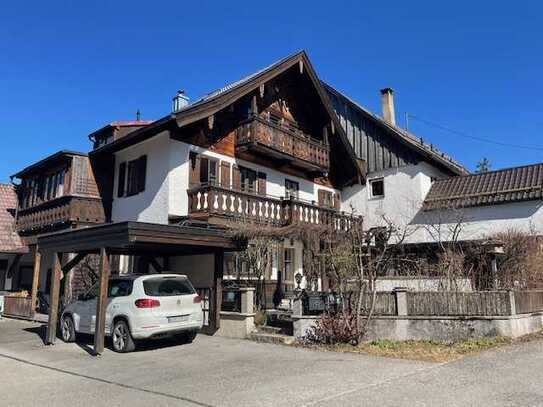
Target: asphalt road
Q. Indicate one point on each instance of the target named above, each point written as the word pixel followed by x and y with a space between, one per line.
pixel 225 372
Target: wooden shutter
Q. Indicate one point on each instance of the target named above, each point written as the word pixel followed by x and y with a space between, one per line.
pixel 236 178
pixel 337 201
pixel 261 183
pixel 142 172
pixel 204 170
pixel 225 174
pixel 122 180
pixel 321 197
pixel 194 169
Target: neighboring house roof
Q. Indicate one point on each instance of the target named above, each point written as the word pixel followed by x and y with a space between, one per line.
pixel 417 144
pixel 59 155
pixel 223 97
pixel 10 242
pixel 488 188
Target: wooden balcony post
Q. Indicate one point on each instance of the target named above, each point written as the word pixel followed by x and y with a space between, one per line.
pixel 54 300
pixel 101 303
pixel 35 280
pixel 217 288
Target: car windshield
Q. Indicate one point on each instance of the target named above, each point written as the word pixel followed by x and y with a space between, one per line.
pixel 167 286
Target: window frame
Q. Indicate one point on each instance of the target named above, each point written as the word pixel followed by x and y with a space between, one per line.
pixel 287 189
pixel 373 181
pixel 244 172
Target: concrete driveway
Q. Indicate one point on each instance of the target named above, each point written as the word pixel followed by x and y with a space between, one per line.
pixel 223 372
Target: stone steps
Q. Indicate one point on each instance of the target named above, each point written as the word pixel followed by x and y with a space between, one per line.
pixel 265 337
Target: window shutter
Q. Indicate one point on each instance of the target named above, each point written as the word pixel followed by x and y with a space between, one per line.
pixel 321 197
pixel 261 185
pixel 204 170
pixel 142 172
pixel 225 174
pixel 122 180
pixel 337 202
pixel 194 170
pixel 236 178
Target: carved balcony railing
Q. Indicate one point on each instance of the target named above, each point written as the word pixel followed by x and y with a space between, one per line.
pixel 212 201
pixel 282 139
pixel 60 211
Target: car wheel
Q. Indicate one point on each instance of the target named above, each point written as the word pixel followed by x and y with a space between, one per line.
pixel 67 328
pixel 121 338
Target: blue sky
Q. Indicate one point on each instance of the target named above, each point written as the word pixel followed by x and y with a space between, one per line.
pixel 67 68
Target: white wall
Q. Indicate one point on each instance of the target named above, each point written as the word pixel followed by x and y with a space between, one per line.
pixel 152 204
pixel 405 189
pixel 167 180
pixel 478 222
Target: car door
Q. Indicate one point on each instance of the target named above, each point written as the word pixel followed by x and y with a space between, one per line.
pixel 86 308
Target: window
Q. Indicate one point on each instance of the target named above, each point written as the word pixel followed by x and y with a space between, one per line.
pixel 209 172
pixel 119 288
pixel 292 189
pixel 132 175
pixel 248 179
pixel 377 188
pixel 326 198
pixel 167 286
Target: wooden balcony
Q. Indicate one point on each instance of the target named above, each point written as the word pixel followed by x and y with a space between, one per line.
pixel 58 212
pixel 281 139
pixel 214 203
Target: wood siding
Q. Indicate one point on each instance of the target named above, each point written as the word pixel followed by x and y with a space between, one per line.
pixel 371 142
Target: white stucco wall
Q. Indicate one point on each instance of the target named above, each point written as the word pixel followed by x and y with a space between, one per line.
pixel 478 222
pixel 405 189
pixel 151 205
pixel 167 180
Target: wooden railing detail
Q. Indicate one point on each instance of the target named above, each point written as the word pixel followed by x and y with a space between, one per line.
pixel 66 209
pixel 284 137
pixel 212 200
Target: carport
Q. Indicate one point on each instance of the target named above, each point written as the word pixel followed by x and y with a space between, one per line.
pixel 131 238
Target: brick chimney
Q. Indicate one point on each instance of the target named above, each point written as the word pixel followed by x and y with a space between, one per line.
pixel 387 104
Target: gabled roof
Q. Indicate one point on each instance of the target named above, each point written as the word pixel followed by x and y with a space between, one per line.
pixel 223 97
pixel 10 242
pixel 417 144
pixel 489 188
pixel 47 161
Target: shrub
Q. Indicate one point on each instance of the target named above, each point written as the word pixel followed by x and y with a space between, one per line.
pixel 334 328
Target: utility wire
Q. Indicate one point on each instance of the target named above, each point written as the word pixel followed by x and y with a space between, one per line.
pixel 465 135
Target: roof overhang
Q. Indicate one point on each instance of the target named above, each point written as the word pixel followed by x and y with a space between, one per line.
pixel 138 238
pixel 48 161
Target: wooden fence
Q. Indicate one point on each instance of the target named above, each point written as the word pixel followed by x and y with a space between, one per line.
pixel 452 303
pixel 438 303
pixel 528 301
pixel 18 306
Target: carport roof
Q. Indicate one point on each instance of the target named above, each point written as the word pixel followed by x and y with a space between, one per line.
pixel 139 238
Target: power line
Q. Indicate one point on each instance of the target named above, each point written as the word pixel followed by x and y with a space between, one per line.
pixel 465 135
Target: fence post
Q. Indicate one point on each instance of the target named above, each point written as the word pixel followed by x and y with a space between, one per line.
pixel 401 301
pixel 297 307
pixel 512 303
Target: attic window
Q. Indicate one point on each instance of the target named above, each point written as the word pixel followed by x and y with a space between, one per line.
pixel 377 188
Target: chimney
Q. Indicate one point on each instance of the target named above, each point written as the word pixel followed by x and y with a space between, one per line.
pixel 387 104
pixel 179 101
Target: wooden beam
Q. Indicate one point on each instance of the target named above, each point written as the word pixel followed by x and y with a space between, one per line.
pixel 217 289
pixel 54 300
pixel 156 265
pixel 35 280
pixel 74 262
pixel 101 303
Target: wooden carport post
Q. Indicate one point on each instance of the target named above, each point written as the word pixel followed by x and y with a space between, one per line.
pixel 101 303
pixel 217 283
pixel 54 300
pixel 35 280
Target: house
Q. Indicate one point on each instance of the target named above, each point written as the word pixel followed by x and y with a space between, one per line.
pixel 276 148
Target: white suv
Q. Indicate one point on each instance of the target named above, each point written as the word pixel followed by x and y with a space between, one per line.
pixel 139 307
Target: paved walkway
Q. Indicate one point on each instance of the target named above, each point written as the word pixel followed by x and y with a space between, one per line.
pixel 222 372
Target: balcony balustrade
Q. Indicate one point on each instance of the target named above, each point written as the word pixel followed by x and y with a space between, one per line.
pixel 282 139
pixel 214 201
